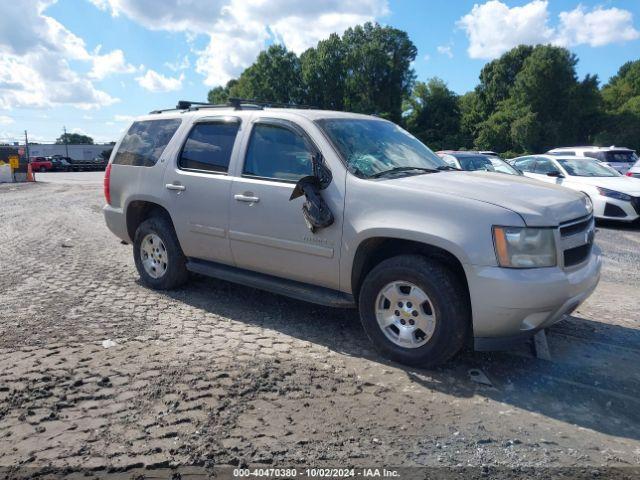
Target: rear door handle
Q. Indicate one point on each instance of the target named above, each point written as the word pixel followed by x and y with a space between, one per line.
pixel 246 198
pixel 173 186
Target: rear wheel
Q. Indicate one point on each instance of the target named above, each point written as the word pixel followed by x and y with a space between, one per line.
pixel 414 310
pixel 42 169
pixel 158 256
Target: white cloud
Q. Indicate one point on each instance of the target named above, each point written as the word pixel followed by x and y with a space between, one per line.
pixel 124 118
pixel 596 28
pixel 427 57
pixel 4 120
pixel 493 28
pixel 35 51
pixel 238 29
pixel 445 50
pixel 109 64
pixel 180 64
pixel 156 82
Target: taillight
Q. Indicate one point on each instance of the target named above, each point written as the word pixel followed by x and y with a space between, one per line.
pixel 629 174
pixel 107 181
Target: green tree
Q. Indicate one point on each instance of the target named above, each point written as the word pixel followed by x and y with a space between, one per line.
pixel 74 139
pixel 471 116
pixel 273 77
pixel 532 101
pixel 434 115
pixel 324 73
pixel 621 98
pixel 498 77
pixel 378 70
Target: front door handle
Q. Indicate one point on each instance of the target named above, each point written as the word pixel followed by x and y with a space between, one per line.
pixel 173 186
pixel 246 198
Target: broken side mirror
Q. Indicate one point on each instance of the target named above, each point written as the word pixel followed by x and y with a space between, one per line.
pixel 315 210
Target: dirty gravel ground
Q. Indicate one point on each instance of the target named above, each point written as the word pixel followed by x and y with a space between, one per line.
pixel 218 374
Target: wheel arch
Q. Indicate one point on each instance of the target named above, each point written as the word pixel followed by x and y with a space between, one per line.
pixel 373 250
pixel 138 211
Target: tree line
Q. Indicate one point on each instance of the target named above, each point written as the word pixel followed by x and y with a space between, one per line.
pixel 527 101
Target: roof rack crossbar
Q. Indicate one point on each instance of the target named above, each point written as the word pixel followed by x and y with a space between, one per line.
pixel 251 102
pixel 235 103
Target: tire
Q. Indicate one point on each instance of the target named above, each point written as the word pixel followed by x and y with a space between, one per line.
pixel 170 274
pixel 446 312
pixel 42 169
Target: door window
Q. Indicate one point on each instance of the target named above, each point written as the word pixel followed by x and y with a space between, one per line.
pixel 525 164
pixel 276 152
pixel 208 147
pixel 544 166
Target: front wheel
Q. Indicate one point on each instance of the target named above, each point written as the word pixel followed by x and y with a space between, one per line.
pixel 415 310
pixel 158 256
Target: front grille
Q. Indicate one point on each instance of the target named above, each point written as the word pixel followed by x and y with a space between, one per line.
pixel 576 240
pixel 574 228
pixel 577 255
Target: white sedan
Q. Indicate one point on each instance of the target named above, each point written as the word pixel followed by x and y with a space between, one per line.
pixel 614 196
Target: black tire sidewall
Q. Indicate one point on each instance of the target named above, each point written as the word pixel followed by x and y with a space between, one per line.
pixel 448 300
pixel 176 273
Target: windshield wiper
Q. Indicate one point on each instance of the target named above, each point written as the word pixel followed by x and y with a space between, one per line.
pixel 404 169
pixel 448 167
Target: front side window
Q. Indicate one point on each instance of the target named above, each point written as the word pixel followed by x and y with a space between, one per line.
pixel 145 141
pixel 278 153
pixel 208 147
pixel 544 166
pixel 525 164
pixel 371 147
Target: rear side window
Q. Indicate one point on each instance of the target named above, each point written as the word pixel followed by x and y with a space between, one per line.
pixel 621 157
pixel 209 147
pixel 597 155
pixel 145 141
pixel 277 152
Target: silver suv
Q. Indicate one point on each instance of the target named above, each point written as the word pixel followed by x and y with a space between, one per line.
pixel 350 210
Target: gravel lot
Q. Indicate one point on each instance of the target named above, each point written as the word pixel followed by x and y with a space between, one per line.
pixel 218 374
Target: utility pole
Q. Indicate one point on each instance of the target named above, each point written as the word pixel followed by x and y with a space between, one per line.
pixel 66 146
pixel 26 145
pixel 26 151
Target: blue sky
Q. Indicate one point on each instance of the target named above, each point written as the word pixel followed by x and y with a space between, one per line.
pixel 91 65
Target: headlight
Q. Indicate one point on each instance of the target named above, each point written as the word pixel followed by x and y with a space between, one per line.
pixel 588 203
pixel 613 194
pixel 520 247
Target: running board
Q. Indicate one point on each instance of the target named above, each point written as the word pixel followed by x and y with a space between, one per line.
pixel 288 288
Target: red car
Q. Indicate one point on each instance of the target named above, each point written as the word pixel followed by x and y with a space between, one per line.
pixel 40 164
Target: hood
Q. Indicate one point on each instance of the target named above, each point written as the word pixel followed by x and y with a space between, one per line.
pixel 539 204
pixel 628 185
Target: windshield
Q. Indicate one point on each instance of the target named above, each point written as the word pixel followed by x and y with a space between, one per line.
pixel 370 147
pixel 486 163
pixel 587 168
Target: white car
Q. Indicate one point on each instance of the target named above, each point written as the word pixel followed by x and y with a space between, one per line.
pixel 618 158
pixel 614 196
pixel 473 161
pixel 634 171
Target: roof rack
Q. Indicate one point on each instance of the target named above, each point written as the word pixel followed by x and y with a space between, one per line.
pixel 235 103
